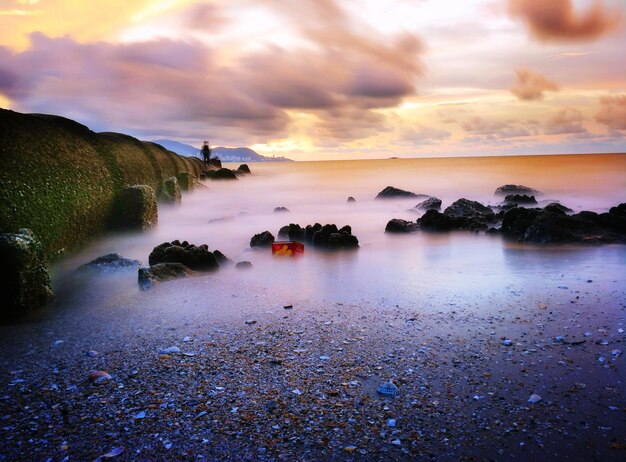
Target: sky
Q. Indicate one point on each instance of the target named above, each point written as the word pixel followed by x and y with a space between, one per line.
pixel 327 79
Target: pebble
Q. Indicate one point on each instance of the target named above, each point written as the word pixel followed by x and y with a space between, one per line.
pixel 139 415
pixel 616 352
pixel 588 334
pixel 559 339
pixel 112 453
pixel 620 330
pixel 288 307
pixel 350 448
pixel 169 350
pixel 295 391
pixel 99 376
pixel 186 339
pixel 534 398
pixel 92 353
pixel 250 321
pixel 397 442
pixel 324 358
pixel 391 422
pixel 388 389
pixel 58 343
pixel 507 342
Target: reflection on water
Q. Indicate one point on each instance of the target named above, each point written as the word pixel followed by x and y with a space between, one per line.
pixel 386 267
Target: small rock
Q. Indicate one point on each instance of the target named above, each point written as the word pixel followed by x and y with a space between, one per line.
pixel 288 307
pixel 588 334
pixel 139 415
pixel 507 342
pixel 295 391
pixel 169 350
pixel 242 265
pixel 350 448
pixel 186 339
pixel 534 398
pixel 99 376
pixel 324 358
pixel 92 353
pixel 250 321
pixel 391 422
pixel 559 339
pixel 616 352
pixel 397 442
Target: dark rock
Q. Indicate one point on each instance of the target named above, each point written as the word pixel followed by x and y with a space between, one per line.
pixel 520 199
pixel 222 259
pixel 264 239
pixel 391 192
pixel 619 210
pixel 329 237
pixel 467 208
pixel 436 221
pixel 292 232
pixel 396 225
pixel 432 203
pixel 147 277
pixel 515 189
pixel 170 192
pixel 241 265
pixel 310 231
pixel 135 208
pixel 243 168
pixel 110 263
pixel 24 279
pixel 187 181
pixel 351 199
pixel 194 257
pixel 281 209
pixel 222 174
pixel 557 208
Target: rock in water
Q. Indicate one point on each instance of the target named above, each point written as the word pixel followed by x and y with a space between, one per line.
pixel 515 189
pixel 24 279
pixel 281 209
pixel 135 208
pixel 243 168
pixel 242 265
pixel 432 203
pixel 110 263
pixel 264 239
pixel 170 192
pixel 467 208
pixel 351 200
pixel 147 277
pixel 396 225
pixel 223 174
pixel 391 192
pixel 197 258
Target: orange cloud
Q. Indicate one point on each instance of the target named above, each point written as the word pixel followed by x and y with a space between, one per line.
pixel 613 112
pixel 531 86
pixel 566 121
pixel 557 20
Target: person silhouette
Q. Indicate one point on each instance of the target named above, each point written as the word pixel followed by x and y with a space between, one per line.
pixel 206 152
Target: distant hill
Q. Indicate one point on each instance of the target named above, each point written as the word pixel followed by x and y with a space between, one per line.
pixel 224 154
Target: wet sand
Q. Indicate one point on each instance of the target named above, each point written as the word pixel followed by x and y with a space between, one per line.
pixel 269 383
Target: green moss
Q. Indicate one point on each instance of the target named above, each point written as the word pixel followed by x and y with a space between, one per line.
pixel 60 179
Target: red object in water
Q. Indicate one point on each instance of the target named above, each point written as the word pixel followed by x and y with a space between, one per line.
pixel 288 248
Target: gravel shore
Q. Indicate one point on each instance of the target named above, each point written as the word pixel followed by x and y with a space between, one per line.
pixel 252 379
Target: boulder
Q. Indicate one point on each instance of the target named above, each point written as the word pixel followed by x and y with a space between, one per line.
pixel 147 277
pixel 436 221
pixel 432 203
pixel 112 262
pixel 467 208
pixel 264 239
pixel 135 208
pixel 516 221
pixel 222 259
pixel 557 208
pixel 280 209
pixel 520 199
pixel 170 192
pixel 187 181
pixel 390 192
pixel 310 230
pixel 351 200
pixel 292 232
pixel 243 265
pixel 24 279
pixel 330 238
pixel 515 189
pixel 194 257
pixel 396 225
pixel 222 174
pixel 243 168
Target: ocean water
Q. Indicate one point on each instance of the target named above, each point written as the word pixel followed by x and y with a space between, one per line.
pixel 387 269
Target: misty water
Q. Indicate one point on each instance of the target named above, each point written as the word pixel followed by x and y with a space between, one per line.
pixel 386 270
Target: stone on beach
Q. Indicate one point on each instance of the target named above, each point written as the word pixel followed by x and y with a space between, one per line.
pixel 161 272
pixel 397 225
pixel 432 203
pixel 198 258
pixel 390 192
pixel 112 262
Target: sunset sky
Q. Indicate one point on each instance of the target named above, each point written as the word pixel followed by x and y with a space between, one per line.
pixel 327 79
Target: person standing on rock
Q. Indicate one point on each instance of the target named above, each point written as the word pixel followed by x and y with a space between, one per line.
pixel 206 153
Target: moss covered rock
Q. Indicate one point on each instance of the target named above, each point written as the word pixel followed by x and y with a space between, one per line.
pixel 24 280
pixel 171 191
pixel 136 208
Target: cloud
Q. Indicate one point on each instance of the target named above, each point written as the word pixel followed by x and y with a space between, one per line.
pixel 531 86
pixel 421 134
pixel 557 20
pixel 612 112
pixel 566 121
pixel 482 129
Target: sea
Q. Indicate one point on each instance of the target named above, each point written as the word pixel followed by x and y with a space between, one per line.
pixel 387 269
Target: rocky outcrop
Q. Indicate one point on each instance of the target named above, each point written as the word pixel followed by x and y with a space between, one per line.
pixel 243 168
pixel 187 181
pixel 467 208
pixel 148 277
pixel 520 199
pixel 351 200
pixel 112 262
pixel 170 193
pixel 264 239
pixel 24 280
pixel 293 232
pixel 135 208
pixel 507 189
pixel 552 225
pixel 194 257
pixel 221 174
pixel 435 221
pixel 390 192
pixel 432 203
pixel 396 225
pixel 280 209
pixel 556 207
